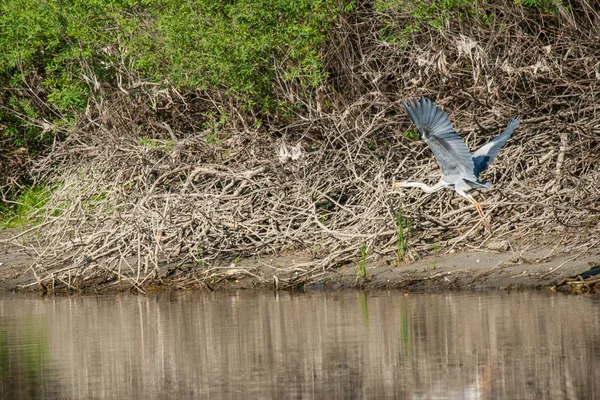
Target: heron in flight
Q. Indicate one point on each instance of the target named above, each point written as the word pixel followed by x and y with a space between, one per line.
pixel 460 168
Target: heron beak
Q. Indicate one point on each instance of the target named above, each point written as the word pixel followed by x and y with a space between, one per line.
pixel 399 184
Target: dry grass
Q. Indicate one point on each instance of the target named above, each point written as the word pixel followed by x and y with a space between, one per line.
pixel 199 192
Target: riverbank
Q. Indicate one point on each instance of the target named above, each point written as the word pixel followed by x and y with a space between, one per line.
pixel 544 263
pixel 139 160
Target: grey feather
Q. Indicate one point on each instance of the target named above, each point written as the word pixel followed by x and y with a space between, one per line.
pixel 484 156
pixel 449 149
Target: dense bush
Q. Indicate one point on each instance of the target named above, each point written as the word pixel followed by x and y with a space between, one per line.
pixel 57 55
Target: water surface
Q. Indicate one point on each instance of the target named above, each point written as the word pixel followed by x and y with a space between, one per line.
pixel 346 345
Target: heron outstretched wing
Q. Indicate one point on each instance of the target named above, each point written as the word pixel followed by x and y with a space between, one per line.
pixel 435 128
pixel 484 156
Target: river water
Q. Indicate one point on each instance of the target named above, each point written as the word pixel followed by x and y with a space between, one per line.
pixel 320 345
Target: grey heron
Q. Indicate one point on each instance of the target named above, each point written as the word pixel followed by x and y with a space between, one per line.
pixel 460 168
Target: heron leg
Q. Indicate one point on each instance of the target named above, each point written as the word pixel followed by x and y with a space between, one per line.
pixel 480 211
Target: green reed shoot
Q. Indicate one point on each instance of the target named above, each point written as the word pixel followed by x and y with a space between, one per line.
pixel 402 228
pixel 361 264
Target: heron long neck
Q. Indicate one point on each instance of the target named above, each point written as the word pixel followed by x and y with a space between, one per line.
pixel 426 188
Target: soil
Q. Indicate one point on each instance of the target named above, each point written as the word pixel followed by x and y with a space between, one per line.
pixel 541 264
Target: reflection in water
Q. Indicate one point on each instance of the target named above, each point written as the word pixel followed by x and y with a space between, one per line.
pixel 318 345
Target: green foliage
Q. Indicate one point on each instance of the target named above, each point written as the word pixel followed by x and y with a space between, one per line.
pixel 402 230
pixel 361 264
pixel 68 97
pixel 435 13
pixel 56 55
pixel 237 46
pixel 48 50
pixel 155 144
pixel 200 257
pixel 487 18
pixel 27 208
pixel 214 122
pixel 438 14
pixel 323 217
pixel 549 6
pixel 16 123
pixel 411 134
pixel 93 202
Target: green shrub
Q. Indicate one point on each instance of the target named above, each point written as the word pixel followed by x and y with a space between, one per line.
pixel 49 51
pixel 239 46
pixel 26 209
pixel 60 53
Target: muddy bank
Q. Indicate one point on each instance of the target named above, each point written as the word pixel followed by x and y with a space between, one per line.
pixel 543 263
